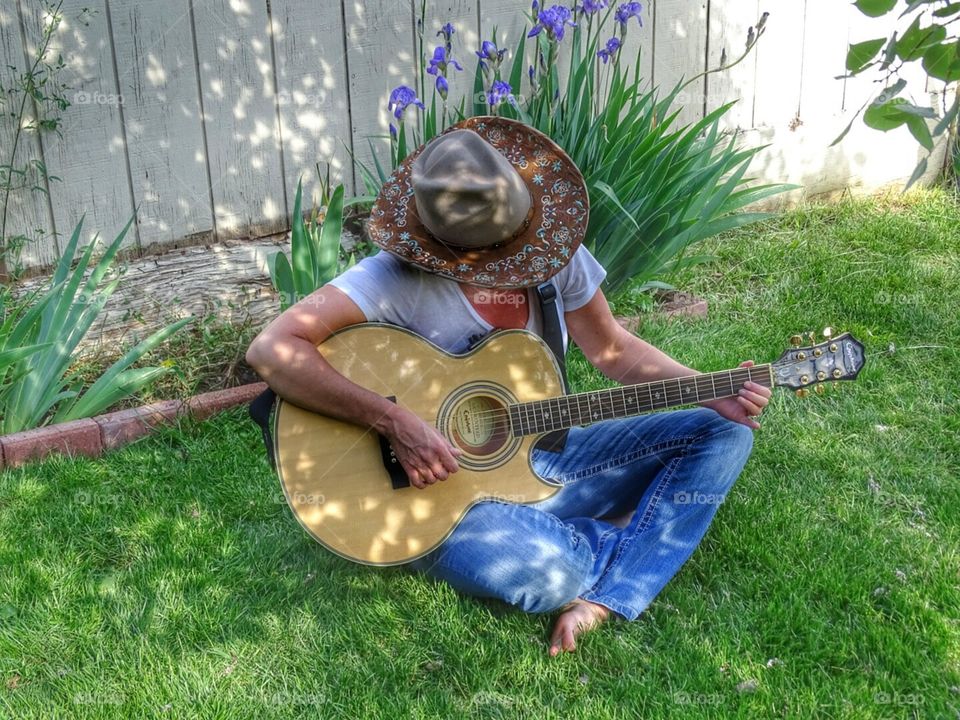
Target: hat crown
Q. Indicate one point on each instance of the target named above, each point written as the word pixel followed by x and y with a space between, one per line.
pixel 467 193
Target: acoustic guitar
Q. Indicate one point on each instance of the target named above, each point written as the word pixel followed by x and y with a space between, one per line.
pixel 350 493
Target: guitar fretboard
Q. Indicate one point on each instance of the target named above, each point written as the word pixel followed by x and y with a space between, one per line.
pixel 533 418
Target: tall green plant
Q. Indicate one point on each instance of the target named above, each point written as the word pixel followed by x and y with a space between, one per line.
pixel 655 187
pixel 46 336
pixel 314 249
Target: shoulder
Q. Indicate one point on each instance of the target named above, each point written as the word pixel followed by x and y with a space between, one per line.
pixel 579 280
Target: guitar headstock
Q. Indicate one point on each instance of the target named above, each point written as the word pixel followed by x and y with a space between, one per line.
pixel 833 360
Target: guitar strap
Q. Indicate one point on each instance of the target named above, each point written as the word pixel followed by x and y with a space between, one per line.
pixel 263 404
pixel 553 336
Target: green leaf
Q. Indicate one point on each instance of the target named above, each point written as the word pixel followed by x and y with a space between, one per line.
pixel 115 383
pixel 920 131
pixel 328 251
pixel 948 118
pixel 479 106
pixel 918 173
pixel 916 40
pixel 282 276
pixel 951 9
pixel 943 61
pixel 875 8
pixel 885 116
pixel 861 54
pixel 301 257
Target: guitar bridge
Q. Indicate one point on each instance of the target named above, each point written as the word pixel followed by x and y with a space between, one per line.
pixel 398 477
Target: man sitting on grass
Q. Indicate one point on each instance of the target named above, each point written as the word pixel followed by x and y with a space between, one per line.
pixel 472 223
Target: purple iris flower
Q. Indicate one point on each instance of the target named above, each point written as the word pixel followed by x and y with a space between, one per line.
pixel 447 31
pixel 627 11
pixel 440 60
pixel 402 97
pixel 442 87
pixel 554 19
pixel 489 51
pixel 499 91
pixel 613 45
pixel 592 6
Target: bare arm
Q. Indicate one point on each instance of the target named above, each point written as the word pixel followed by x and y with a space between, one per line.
pixel 622 356
pixel 285 355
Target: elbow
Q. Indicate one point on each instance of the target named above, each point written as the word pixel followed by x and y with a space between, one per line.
pixel 256 355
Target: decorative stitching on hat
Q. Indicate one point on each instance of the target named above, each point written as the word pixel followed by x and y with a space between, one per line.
pixel 558 196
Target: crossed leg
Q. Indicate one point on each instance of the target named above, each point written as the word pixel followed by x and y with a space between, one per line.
pixel 672 470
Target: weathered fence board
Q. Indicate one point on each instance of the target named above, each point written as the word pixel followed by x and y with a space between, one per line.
pixel 161 111
pixel 508 16
pixel 681 32
pixel 89 155
pixel 28 212
pixel 462 15
pixel 729 27
pixel 380 50
pixel 240 117
pixel 312 96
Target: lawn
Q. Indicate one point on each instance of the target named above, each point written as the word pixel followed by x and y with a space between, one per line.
pixel 169 579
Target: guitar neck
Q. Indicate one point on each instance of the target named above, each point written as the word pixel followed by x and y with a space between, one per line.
pixel 566 411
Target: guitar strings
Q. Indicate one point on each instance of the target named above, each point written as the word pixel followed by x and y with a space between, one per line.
pixel 673 397
pixel 502 418
pixel 610 392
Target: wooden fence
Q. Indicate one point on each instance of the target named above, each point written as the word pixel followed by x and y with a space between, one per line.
pixel 200 115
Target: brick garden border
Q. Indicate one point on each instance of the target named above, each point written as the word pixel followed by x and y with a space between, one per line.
pixel 92 437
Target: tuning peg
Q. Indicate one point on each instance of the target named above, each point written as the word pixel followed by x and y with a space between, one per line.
pixel 820 389
pixel 802 393
pixel 827 333
pixel 812 337
pixel 796 340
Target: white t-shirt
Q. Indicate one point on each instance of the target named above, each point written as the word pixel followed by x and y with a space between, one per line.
pixel 389 290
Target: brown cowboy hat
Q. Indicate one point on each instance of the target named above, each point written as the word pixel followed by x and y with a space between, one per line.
pixel 490 202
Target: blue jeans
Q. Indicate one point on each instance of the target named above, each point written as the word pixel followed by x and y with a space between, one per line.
pixel 671 470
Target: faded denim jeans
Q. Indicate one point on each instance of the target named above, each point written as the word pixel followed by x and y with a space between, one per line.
pixel 670 470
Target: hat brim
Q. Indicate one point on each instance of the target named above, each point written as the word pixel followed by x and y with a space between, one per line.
pixel 557 222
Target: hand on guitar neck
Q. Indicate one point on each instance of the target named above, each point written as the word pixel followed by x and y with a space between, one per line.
pixel 746 405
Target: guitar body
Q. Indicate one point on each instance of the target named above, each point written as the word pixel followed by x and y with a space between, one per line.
pixel 335 476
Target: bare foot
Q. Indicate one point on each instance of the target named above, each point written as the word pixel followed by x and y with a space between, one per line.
pixel 578 617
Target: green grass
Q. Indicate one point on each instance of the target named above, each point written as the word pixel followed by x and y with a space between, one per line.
pixel 169 579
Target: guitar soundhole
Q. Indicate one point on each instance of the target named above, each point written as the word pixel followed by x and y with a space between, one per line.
pixel 479 425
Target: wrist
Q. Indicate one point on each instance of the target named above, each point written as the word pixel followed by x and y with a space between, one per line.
pixel 386 417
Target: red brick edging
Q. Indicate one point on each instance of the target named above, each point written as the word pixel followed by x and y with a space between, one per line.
pixel 94 436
